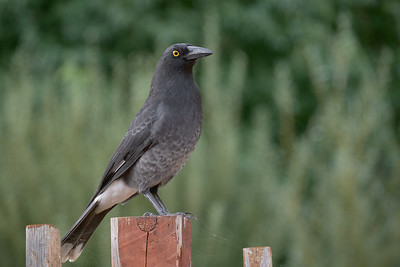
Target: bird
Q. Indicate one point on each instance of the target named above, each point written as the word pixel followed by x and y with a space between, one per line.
pixel 160 140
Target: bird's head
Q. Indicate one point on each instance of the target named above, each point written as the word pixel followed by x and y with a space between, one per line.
pixel 183 55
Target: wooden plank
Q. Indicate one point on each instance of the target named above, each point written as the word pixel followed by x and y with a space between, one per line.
pixel 257 257
pixel 43 245
pixel 151 241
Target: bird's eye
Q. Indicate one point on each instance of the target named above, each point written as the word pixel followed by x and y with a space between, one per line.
pixel 175 53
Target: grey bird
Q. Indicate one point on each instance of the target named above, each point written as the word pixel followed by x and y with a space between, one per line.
pixel 158 143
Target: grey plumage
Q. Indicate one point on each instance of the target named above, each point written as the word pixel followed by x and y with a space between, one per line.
pixel 159 141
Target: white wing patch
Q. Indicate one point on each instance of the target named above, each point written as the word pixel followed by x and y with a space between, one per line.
pixel 119 166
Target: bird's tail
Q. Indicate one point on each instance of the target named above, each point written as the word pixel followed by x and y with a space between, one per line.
pixel 73 242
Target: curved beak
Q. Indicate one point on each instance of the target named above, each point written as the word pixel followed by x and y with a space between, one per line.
pixel 196 52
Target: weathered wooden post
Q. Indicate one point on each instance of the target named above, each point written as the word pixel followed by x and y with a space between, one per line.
pixel 151 241
pixel 42 245
pixel 257 257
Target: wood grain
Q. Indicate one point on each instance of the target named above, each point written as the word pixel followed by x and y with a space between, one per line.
pixel 151 241
pixel 257 257
pixel 42 245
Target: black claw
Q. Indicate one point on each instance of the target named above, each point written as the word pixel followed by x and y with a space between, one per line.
pixel 188 215
pixel 148 213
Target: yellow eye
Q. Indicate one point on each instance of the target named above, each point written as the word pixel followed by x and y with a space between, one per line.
pixel 175 53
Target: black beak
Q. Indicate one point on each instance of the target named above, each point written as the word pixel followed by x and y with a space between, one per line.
pixel 196 52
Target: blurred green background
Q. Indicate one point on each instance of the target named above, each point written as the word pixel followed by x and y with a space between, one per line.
pixel 300 145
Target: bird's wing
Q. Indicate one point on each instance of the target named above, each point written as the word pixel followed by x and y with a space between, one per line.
pixel 135 142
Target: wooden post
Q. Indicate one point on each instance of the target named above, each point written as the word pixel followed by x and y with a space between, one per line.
pixel 257 257
pixel 151 241
pixel 43 245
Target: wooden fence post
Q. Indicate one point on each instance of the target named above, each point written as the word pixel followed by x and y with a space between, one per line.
pixel 257 257
pixel 42 245
pixel 151 241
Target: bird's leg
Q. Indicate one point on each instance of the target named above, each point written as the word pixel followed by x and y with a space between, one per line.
pixel 154 192
pixel 154 202
pixel 154 198
pixel 188 215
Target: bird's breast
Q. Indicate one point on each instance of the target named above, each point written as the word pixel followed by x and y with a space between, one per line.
pixel 179 130
pixel 176 133
pixel 180 119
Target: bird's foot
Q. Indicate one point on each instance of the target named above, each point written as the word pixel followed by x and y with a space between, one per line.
pixel 186 214
pixel 148 213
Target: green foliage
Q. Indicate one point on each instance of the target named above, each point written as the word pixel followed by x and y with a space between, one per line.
pixel 300 146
